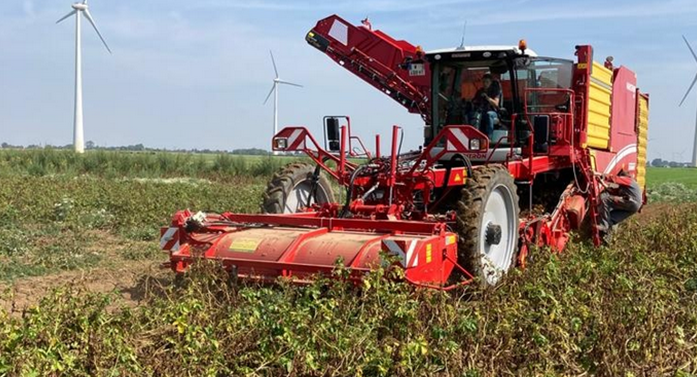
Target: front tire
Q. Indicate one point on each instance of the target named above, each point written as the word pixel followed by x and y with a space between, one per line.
pixel 487 223
pixel 293 188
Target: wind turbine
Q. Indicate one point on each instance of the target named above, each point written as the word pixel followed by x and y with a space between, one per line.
pixel 78 131
pixel 274 90
pixel 694 146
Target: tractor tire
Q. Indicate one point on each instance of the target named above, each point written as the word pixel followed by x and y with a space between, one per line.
pixel 487 224
pixel 290 188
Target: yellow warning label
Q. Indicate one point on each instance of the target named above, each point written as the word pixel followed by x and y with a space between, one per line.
pixel 244 245
pixel 582 65
pixel 429 253
pixel 458 177
pixel 450 240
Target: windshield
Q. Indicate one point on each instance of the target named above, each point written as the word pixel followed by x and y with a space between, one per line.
pixel 550 78
pixel 460 87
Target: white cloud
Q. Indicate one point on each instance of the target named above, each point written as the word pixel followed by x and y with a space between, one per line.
pixel 195 73
pixel 28 8
pixel 564 11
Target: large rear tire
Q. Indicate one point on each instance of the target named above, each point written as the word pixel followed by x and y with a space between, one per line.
pixel 487 223
pixel 292 186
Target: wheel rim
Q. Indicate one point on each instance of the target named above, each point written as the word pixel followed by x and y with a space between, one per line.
pixel 298 195
pixel 498 234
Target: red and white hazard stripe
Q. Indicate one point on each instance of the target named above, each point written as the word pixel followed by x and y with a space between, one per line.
pixel 296 140
pixel 170 239
pixel 404 250
pixel 457 140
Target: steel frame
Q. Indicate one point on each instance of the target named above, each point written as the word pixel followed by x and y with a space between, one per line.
pixel 394 218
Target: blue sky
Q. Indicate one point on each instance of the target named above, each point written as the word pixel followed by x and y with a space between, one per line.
pixel 194 74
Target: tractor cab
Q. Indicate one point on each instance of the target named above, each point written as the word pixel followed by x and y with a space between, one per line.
pixel 506 92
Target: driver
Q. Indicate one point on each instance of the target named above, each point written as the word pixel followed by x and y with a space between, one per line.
pixel 486 105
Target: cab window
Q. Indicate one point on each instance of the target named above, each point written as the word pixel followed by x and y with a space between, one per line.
pixel 457 85
pixel 542 74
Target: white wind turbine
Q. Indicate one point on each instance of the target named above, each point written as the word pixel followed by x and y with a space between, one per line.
pixel 274 90
pixel 78 131
pixel 694 146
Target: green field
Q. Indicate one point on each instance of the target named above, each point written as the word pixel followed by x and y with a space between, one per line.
pixel 81 293
pixel 685 176
pixel 111 164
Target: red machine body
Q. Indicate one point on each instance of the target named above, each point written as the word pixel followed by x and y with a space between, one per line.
pixel 553 140
pixel 374 57
pixel 300 246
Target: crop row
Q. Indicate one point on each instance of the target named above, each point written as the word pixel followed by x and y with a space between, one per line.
pixel 48 223
pixel 43 162
pixel 630 309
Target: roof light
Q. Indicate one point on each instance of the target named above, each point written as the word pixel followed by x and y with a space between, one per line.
pixel 522 45
pixel 608 63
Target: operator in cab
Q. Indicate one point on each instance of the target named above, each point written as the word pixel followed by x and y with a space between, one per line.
pixel 621 199
pixel 486 105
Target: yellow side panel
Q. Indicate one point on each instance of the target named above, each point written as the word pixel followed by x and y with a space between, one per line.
pixel 642 143
pixel 599 103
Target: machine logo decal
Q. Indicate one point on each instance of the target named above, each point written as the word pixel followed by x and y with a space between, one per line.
pixel 244 245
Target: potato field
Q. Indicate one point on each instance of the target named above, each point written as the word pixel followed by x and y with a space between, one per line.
pixel 82 293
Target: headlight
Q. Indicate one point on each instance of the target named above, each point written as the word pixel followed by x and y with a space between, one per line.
pixel 280 143
pixel 475 144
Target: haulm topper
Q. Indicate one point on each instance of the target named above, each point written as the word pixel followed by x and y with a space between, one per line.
pixel 470 203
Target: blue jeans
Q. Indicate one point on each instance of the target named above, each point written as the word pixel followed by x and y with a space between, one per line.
pixel 484 121
pixel 490 119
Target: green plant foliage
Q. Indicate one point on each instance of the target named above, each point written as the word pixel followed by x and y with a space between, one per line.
pixel 50 226
pixel 43 162
pixel 672 192
pixel 626 309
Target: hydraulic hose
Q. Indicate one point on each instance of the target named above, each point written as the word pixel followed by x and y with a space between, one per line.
pixel 349 192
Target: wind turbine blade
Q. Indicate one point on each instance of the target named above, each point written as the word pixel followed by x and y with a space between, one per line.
pixel 94 25
pixel 289 83
pixel 690 47
pixel 274 63
pixel 66 16
pixel 273 87
pixel 688 91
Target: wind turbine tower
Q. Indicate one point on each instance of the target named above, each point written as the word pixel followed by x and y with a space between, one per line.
pixel 274 90
pixel 694 146
pixel 78 130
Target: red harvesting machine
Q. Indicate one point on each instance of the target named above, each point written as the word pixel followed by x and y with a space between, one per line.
pixel 470 203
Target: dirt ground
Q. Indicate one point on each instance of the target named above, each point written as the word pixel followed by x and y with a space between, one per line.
pixel 130 281
pixel 133 280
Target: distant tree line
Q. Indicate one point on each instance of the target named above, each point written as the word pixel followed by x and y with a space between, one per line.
pixel 90 145
pixel 659 163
